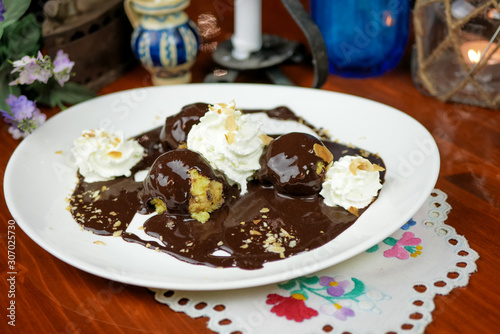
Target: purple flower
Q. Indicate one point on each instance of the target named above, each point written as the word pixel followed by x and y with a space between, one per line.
pixel 2 11
pixel 31 69
pixel 24 116
pixel 343 312
pixel 337 310
pixel 335 289
pixel 21 108
pixel 62 67
pixel 37 120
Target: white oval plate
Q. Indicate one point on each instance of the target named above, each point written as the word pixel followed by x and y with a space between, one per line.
pixel 39 177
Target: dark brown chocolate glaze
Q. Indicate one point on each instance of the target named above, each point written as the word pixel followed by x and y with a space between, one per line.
pixel 176 127
pixel 248 230
pixel 290 163
pixel 169 179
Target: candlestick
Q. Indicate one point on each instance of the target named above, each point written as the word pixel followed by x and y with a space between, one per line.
pixel 247 37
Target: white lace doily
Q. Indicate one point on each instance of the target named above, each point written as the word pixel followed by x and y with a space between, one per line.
pixel 388 288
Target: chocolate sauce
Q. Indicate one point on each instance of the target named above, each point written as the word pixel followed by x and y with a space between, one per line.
pixel 247 231
pixel 176 128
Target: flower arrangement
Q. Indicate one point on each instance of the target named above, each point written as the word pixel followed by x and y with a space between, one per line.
pixel 33 78
pixel 23 116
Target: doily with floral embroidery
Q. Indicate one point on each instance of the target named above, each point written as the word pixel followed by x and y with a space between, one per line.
pixel 388 288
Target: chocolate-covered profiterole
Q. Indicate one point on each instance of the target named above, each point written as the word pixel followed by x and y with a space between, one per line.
pixel 182 181
pixel 174 132
pixel 295 163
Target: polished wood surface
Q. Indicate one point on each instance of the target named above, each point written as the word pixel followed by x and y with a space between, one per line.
pixel 54 297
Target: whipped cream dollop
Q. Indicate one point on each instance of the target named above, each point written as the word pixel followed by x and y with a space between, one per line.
pixel 232 142
pixel 351 182
pixel 103 155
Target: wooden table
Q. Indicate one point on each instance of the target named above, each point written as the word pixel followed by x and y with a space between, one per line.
pixel 54 297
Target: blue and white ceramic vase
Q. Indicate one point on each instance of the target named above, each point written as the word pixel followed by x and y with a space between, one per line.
pixel 165 40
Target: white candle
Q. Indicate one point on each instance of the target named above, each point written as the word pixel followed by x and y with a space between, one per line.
pixel 472 51
pixel 247 37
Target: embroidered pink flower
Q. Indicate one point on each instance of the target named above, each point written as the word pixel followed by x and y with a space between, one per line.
pixel 293 307
pixel 404 247
pixel 335 289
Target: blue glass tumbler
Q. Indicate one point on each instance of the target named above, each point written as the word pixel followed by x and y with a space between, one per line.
pixel 364 38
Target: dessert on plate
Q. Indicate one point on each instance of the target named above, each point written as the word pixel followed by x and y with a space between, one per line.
pixel 219 190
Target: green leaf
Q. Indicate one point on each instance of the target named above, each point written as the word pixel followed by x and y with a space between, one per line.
pixel 73 93
pixel 372 249
pixel 14 10
pixel 21 39
pixel 310 280
pixel 52 94
pixel 44 93
pixel 359 289
pixel 5 89
pixel 390 241
pixel 410 249
pixel 287 285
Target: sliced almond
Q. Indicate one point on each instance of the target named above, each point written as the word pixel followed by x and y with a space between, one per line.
pixel 265 139
pixel 378 168
pixel 366 166
pixel 99 242
pixel 354 211
pixel 90 134
pixel 276 249
pixel 116 141
pixel 231 123
pixel 230 137
pixel 322 152
pixel 361 164
pixel 353 167
pixel 115 154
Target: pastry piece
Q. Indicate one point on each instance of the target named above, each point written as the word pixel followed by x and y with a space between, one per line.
pixel 295 163
pixel 182 182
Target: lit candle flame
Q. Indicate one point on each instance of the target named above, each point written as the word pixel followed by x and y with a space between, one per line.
pixel 474 56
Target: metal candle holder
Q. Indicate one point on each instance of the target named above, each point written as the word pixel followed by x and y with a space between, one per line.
pixel 267 52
